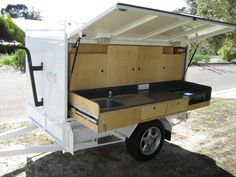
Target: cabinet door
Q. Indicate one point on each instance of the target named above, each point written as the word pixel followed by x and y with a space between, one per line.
pixel 153 110
pixel 121 66
pixel 148 64
pixel 172 67
pixel 90 71
pixel 176 106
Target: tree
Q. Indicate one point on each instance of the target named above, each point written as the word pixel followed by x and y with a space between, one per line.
pixel 223 10
pixel 191 9
pixel 9 31
pixel 21 11
pixel 15 11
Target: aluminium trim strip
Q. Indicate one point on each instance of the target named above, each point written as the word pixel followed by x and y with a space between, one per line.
pixel 85 114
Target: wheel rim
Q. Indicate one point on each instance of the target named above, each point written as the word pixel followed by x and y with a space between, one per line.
pixel 150 140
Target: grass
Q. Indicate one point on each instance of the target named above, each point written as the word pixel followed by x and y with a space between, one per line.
pixel 218 123
pixel 209 153
pixel 16 59
pixel 24 124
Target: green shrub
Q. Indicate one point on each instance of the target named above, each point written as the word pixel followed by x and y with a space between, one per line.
pixel 17 59
pixel 201 58
pixel 9 31
pixel 203 53
pixel 228 51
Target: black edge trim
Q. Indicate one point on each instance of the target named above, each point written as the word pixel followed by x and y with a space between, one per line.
pixel 174 14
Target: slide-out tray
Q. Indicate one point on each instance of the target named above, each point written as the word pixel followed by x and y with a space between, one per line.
pixel 129 105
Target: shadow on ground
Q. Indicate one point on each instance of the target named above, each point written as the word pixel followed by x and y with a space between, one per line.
pixel 113 160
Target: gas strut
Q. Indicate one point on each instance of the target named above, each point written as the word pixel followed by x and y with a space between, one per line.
pixel 16 45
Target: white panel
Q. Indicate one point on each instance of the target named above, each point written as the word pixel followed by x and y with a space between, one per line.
pixel 124 22
pixel 50 48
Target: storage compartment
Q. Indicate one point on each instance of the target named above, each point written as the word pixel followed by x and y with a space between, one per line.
pixel 105 85
pixel 120 65
pixel 153 110
pixel 128 105
pixel 176 106
pixel 90 71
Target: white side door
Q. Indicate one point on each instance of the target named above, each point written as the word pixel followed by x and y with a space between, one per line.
pixel 49 48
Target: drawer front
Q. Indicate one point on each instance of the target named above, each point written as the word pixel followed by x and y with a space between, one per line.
pixel 176 106
pixel 153 110
pixel 118 118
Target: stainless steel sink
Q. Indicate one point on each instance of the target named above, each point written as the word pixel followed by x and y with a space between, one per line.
pixel 107 103
pixel 122 101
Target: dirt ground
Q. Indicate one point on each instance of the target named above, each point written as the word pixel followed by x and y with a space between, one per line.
pixel 12 95
pixel 204 145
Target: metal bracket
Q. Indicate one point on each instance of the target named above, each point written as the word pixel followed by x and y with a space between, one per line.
pixel 31 150
pixel 16 132
pixel 38 68
pixel 26 150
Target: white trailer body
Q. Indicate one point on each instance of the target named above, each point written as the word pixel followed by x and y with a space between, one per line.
pixel 120 25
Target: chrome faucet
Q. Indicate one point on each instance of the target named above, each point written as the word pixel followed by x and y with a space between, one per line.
pixel 110 94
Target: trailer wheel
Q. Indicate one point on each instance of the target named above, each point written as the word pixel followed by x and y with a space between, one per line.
pixel 146 140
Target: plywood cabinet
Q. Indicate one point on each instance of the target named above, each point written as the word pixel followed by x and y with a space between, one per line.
pixel 148 64
pixel 177 105
pixel 121 65
pixel 153 110
pixel 171 67
pixel 133 64
pixel 90 71
pixel 99 66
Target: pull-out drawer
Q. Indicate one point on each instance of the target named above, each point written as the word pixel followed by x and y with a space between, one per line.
pixel 177 105
pixel 88 113
pixel 109 120
pixel 153 110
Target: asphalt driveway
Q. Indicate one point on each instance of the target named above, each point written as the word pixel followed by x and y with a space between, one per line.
pixel 218 76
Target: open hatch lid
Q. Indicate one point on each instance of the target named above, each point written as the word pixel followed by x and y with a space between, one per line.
pixel 128 24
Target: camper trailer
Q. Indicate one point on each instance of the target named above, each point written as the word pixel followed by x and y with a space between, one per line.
pixel 120 77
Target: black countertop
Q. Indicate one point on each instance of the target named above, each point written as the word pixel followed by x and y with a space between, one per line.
pixel 157 92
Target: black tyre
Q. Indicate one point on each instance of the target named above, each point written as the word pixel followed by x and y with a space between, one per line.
pixel 146 140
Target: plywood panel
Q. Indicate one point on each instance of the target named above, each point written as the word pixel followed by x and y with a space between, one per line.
pixel 148 64
pixel 172 67
pixel 90 71
pixel 120 118
pixel 198 105
pixel 121 67
pixel 153 110
pixel 168 50
pixel 85 104
pixel 84 121
pixel 177 105
pixel 88 48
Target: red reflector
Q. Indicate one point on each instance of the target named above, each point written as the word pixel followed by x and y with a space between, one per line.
pixel 178 50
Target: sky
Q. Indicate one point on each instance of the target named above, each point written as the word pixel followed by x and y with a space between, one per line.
pixel 82 11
